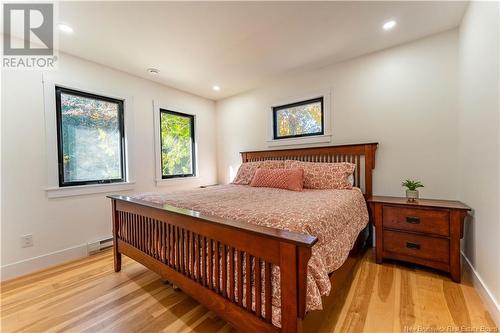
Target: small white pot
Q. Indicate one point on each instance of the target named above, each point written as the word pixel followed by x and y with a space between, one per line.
pixel 412 196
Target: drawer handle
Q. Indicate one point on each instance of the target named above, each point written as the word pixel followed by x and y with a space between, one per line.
pixel 413 219
pixel 413 246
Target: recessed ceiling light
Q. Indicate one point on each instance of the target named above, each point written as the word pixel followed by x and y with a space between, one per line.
pixel 216 88
pixel 389 25
pixel 65 28
pixel 153 71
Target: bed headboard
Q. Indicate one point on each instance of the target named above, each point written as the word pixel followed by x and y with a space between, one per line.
pixel 363 155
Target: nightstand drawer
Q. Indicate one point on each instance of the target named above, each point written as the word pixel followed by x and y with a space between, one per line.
pixel 430 248
pixel 416 219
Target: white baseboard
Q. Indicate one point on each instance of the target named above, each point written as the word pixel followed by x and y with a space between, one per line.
pixel 484 292
pixel 44 261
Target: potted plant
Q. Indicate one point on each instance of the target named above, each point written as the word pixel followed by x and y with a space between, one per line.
pixel 411 189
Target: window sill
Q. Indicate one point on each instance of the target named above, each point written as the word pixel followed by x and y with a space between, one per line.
pixel 171 181
pixel 300 141
pixel 60 192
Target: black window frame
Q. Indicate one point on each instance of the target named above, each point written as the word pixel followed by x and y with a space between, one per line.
pixel 60 151
pixel 193 145
pixel 276 109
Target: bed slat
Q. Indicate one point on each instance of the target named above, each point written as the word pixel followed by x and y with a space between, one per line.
pixel 257 285
pixel 224 271
pixel 210 264
pixel 231 274
pixel 197 265
pixel 183 251
pixel 239 258
pixel 216 267
pixel 267 292
pixel 248 281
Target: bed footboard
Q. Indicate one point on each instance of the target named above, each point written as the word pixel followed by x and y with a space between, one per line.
pixel 225 265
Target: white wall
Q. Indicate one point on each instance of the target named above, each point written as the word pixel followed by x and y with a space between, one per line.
pixel 405 98
pixel 479 171
pixel 69 223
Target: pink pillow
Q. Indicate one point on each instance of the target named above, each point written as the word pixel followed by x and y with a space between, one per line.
pixel 288 179
pixel 325 175
pixel 247 170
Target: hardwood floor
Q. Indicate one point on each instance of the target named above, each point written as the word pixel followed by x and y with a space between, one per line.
pixel 87 296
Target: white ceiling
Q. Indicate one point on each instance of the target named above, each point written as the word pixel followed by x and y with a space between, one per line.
pixel 240 45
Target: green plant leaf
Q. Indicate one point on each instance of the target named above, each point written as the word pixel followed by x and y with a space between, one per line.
pixel 412 185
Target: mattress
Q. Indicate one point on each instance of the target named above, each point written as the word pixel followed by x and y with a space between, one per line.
pixel 335 217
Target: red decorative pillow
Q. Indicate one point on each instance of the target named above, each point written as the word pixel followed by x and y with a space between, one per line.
pixel 325 175
pixel 247 170
pixel 288 179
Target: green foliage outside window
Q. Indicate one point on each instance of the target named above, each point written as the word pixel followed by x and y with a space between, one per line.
pixel 91 138
pixel 176 144
pixel 299 120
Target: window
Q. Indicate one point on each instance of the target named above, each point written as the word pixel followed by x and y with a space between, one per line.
pixel 177 144
pixel 298 119
pixel 90 138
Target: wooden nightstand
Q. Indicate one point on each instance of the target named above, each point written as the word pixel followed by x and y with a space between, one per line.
pixel 426 232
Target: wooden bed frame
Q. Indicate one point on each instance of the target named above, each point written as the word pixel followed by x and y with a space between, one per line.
pixel 179 244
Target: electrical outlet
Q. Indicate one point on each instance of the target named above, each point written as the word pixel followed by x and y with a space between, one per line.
pixel 26 240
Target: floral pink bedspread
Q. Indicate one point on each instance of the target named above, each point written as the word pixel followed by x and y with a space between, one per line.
pixel 335 217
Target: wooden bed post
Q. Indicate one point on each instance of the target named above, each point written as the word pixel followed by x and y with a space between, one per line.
pixel 303 256
pixel 117 256
pixel 244 157
pixel 289 294
pixel 369 166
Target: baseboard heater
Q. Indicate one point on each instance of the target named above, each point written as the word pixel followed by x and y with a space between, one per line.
pixel 100 245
